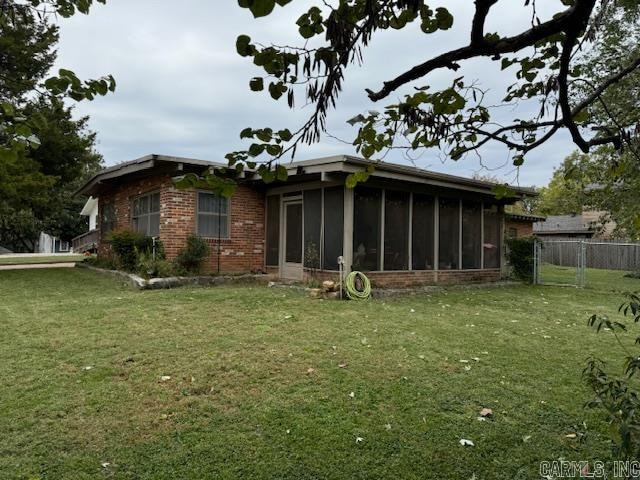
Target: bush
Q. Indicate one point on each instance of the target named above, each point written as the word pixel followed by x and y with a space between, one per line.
pixel 191 258
pixel 617 395
pixel 128 245
pixel 150 267
pixel 521 257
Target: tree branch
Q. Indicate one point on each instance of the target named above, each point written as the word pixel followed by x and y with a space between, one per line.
pixel 570 19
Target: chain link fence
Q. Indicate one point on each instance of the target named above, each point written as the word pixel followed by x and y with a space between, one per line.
pixel 585 262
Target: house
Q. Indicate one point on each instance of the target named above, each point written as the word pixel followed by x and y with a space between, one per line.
pixel 518 225
pixel 588 224
pixel 52 244
pixel 403 226
pixel 88 242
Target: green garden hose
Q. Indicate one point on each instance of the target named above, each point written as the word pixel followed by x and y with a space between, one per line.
pixel 350 286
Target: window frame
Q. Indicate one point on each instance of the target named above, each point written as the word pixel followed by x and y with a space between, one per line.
pixel 107 226
pixel 132 201
pixel 198 213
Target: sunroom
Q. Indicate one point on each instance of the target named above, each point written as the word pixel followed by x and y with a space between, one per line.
pixel 403 226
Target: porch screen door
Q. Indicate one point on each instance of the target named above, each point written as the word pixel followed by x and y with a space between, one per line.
pixel 293 254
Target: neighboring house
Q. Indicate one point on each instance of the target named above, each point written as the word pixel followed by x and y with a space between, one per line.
pixel 403 226
pixel 88 242
pixel 588 224
pixel 50 244
pixel 519 225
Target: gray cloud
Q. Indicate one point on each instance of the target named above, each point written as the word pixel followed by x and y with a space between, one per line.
pixel 182 89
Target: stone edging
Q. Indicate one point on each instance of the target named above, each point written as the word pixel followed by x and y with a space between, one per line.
pixel 171 282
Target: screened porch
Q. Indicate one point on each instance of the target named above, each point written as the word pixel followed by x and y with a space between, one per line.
pixel 380 229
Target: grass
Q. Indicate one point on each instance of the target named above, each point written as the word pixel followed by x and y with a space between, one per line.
pixel 258 385
pixel 596 279
pixel 41 259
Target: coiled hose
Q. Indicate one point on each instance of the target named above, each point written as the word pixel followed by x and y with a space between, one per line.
pixel 350 285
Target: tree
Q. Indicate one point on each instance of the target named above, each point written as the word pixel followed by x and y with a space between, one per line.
pixel 544 57
pixel 566 192
pixel 44 152
pixel 26 37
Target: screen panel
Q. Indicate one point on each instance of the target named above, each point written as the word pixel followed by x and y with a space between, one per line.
pixel 396 230
pixel 366 228
pixel 449 237
pixel 492 230
pixel 471 235
pixel 422 232
pixel 333 227
pixel 312 200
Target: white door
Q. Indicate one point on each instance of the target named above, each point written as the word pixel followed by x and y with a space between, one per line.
pixel 292 251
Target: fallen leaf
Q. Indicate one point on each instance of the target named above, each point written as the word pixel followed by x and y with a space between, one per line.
pixel 105 464
pixel 571 435
pixel 359 439
pixel 486 412
pixel 165 378
pixel 342 365
pixel 526 438
pixel 352 394
pixel 310 370
pixel 388 426
pixel 466 443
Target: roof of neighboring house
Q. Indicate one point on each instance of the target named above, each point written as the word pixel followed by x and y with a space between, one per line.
pixel 524 217
pixel 564 225
pixel 329 165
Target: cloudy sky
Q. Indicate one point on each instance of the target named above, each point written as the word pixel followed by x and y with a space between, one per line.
pixel 183 90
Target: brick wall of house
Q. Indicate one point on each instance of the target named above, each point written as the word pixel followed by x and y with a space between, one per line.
pixel 242 252
pixel 522 228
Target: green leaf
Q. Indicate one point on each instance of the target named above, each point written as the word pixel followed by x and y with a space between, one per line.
pixel 285 134
pixel 246 133
pixel 262 8
pixel 243 46
pixel 256 84
pixel 281 173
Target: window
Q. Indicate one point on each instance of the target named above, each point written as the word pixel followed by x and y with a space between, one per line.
pixel 396 230
pixel 273 231
pixel 213 216
pixel 312 200
pixel 366 228
pixel 513 232
pixel 449 239
pixel 64 246
pixel 333 227
pixel 108 219
pixel 492 230
pixel 146 214
pixel 471 235
pixel 422 232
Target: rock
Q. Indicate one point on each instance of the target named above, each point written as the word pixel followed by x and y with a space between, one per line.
pixel 331 295
pixel 271 284
pixel 315 293
pixel 329 286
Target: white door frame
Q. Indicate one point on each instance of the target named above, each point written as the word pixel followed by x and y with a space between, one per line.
pixel 288 270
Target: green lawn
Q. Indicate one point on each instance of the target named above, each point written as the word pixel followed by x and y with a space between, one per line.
pixel 596 279
pixel 260 381
pixel 40 259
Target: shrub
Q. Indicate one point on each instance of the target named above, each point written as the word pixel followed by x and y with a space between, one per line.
pixel 150 267
pixel 191 258
pixel 127 245
pixel 521 257
pixel 617 396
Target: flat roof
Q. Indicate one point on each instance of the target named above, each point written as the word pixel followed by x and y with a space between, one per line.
pixel 333 164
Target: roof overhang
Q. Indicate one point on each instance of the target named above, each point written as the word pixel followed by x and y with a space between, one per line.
pixel 89 207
